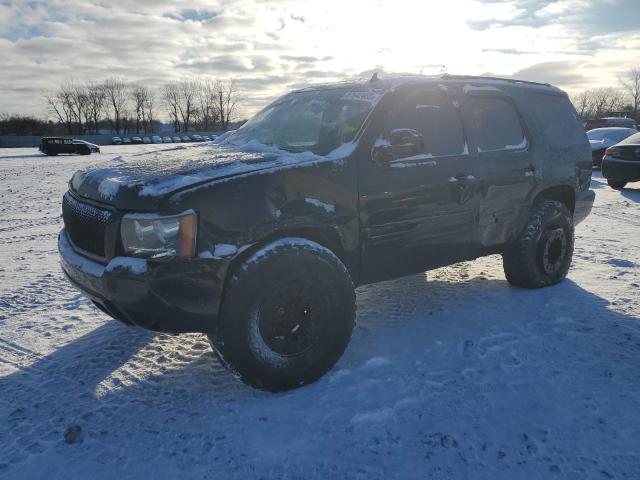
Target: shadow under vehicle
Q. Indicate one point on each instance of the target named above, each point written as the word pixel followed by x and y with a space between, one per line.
pixel 56 145
pixel 260 241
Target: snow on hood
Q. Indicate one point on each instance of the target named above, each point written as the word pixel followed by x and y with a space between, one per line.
pixel 142 180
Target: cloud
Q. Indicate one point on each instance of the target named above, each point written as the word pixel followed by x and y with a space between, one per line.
pixel 562 74
pixel 272 46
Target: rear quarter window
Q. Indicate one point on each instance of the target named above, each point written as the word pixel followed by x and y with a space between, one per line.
pixel 558 120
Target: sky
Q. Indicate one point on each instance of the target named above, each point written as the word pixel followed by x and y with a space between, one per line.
pixel 270 47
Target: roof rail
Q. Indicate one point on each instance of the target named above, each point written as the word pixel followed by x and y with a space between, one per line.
pixel 448 76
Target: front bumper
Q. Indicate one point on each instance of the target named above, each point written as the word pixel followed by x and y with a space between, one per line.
pixel 170 296
pixel 584 204
pixel 625 170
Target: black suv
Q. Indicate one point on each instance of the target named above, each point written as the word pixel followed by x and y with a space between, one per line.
pixel 260 241
pixel 55 145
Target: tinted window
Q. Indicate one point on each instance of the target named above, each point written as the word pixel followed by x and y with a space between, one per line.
pixel 633 139
pixel 558 120
pixel 612 134
pixel 436 118
pixel 495 124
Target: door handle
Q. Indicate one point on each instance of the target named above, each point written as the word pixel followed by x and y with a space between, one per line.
pixel 529 170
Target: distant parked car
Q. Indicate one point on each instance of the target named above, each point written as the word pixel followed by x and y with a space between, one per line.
pixel 55 145
pixel 146 140
pixel 611 122
pixel 206 138
pixel 126 140
pixel 176 139
pixel 185 138
pixel 156 139
pixel 603 138
pixel 116 141
pixel 167 139
pixel 136 140
pixel 621 163
pixel 197 138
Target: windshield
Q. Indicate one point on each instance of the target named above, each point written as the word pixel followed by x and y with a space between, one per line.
pixel 318 121
pixel 610 134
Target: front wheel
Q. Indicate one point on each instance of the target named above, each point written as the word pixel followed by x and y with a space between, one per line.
pixel 287 315
pixel 541 256
pixel 616 184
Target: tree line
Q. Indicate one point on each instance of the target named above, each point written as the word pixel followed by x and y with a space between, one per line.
pixel 602 102
pixel 128 107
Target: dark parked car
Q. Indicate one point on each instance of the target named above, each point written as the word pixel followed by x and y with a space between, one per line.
pixel 260 242
pixel 603 138
pixel 156 139
pixel 136 140
pixel 621 163
pixel 176 139
pixel 185 138
pixel 197 138
pixel 116 140
pixel 56 145
pixel 611 122
pixel 126 140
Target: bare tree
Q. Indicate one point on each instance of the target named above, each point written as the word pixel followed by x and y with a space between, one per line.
pixel 79 103
pixel 227 98
pixel 60 105
pixel 631 85
pixel 206 110
pixel 148 110
pixel 582 102
pixel 96 100
pixel 187 90
pixel 171 99
pixel 139 94
pixel 116 96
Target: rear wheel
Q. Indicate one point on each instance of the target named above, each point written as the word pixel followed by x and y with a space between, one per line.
pixel 287 315
pixel 616 184
pixel 541 256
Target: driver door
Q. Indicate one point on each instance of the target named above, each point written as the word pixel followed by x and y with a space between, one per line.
pixel 418 194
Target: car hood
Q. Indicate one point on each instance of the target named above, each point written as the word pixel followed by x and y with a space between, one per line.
pixel 143 181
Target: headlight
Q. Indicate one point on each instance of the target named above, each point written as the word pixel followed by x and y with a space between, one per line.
pixel 154 236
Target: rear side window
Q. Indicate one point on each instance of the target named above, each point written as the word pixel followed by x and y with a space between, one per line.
pixel 495 125
pixel 435 117
pixel 558 120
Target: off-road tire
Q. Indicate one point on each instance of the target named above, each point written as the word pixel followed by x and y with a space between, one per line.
pixel 616 184
pixel 542 254
pixel 290 281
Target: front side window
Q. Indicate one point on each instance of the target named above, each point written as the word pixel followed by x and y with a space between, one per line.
pixel 495 125
pixel 436 118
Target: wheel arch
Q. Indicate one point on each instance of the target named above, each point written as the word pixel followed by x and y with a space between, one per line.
pixel 327 237
pixel 561 193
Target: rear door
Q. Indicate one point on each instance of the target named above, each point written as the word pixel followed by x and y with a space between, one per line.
pixel 505 167
pixel 418 211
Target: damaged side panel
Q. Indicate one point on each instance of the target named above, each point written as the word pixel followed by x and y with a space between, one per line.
pixel 316 199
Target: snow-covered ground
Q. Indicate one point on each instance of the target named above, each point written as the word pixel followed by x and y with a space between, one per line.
pixel 449 375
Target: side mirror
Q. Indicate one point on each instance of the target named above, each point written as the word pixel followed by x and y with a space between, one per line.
pixel 402 143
